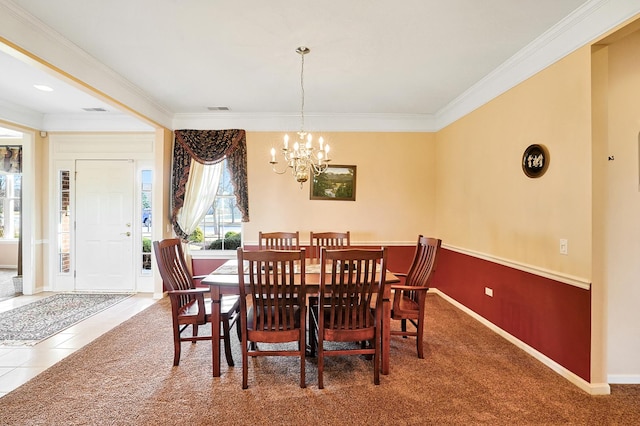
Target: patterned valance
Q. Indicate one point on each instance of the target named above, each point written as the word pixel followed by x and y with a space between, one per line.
pixel 209 147
pixel 11 159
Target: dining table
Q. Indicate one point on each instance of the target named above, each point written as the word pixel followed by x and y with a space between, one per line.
pixel 224 280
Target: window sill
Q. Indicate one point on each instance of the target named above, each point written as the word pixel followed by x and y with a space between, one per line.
pixel 214 254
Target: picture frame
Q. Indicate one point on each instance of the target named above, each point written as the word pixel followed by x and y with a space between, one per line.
pixel 338 183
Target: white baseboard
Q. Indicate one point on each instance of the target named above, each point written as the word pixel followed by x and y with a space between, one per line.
pixel 624 379
pixel 590 388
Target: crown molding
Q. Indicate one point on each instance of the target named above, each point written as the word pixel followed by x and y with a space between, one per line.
pixel 327 122
pixel 94 122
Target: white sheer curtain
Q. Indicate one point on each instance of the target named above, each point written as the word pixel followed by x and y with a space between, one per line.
pixel 200 191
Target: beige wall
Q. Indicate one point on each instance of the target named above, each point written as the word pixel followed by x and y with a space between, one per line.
pixel 599 65
pixel 41 228
pixel 485 202
pixel 395 189
pixel 9 254
pixel 622 210
pixel 162 159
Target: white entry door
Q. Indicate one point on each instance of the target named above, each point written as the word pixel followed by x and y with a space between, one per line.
pixel 104 225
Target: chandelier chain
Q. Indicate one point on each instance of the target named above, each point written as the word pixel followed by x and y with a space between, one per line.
pixel 302 94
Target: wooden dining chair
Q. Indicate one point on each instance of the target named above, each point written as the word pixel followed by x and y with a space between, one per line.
pixel 276 310
pixel 351 282
pixel 279 240
pixel 188 304
pixel 409 298
pixel 329 240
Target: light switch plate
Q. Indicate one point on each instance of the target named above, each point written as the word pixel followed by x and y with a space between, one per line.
pixel 564 246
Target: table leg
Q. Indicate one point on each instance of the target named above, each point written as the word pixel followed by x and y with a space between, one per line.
pixel 215 329
pixel 386 334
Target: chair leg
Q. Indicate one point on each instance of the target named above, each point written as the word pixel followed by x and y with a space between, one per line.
pixel 376 359
pixel 245 365
pixel 313 326
pixel 195 331
pixel 302 348
pixel 238 328
pixel 176 344
pixel 227 340
pixel 320 363
pixel 420 337
pixel 403 327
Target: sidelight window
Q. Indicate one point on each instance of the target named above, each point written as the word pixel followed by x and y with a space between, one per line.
pixel 146 221
pixel 10 190
pixel 64 222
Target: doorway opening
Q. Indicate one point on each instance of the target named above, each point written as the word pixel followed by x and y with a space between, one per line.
pixel 10 220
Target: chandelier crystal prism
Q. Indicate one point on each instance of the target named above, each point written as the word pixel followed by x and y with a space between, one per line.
pixel 303 158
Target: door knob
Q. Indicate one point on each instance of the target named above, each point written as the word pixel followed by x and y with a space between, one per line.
pixel 126 233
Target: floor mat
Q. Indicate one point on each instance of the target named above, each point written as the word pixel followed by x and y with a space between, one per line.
pixel 29 324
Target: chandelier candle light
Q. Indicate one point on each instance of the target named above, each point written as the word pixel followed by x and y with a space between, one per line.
pixel 303 158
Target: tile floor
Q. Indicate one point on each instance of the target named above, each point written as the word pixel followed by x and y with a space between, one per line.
pixel 7 289
pixel 18 364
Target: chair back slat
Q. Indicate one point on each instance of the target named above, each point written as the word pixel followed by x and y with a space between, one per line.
pixel 275 285
pixel 173 267
pixel 329 240
pixel 355 282
pixel 279 240
pixel 423 265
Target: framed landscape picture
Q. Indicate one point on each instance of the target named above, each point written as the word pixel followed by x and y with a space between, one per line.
pixel 336 183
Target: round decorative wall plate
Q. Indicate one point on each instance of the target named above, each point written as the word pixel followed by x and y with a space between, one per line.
pixel 535 160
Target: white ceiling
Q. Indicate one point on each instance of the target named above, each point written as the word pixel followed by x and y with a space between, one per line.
pixel 172 59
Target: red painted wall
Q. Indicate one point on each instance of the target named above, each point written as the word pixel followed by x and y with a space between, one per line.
pixel 550 316
pixel 205 266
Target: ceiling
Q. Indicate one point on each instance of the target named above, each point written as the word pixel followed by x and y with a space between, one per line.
pixel 173 60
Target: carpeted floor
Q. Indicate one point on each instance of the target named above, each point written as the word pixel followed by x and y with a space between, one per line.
pixel 29 324
pixel 469 375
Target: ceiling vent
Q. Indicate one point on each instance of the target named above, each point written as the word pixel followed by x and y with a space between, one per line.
pixel 94 109
pixel 218 108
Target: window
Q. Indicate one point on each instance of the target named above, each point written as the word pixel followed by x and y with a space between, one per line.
pixel 64 222
pixel 10 193
pixel 145 199
pixel 221 227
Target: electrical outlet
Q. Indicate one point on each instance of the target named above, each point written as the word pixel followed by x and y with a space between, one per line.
pixel 564 246
pixel 488 291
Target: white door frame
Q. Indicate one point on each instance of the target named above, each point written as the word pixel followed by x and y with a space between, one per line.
pixel 64 150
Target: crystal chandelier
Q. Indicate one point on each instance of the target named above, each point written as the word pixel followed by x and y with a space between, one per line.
pixel 302 158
